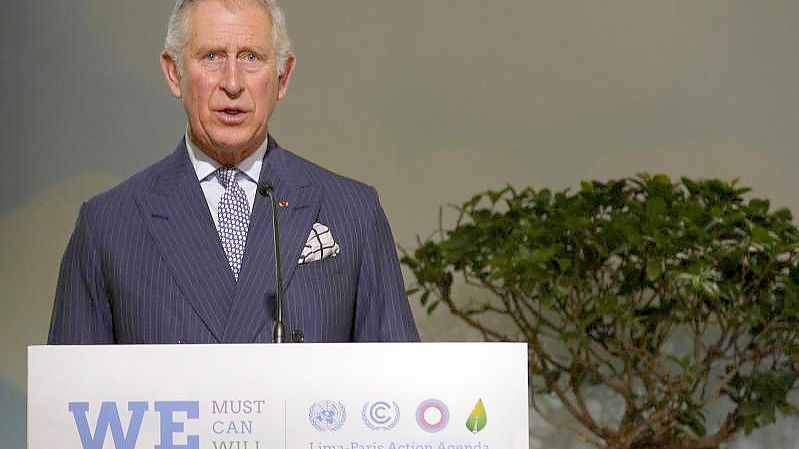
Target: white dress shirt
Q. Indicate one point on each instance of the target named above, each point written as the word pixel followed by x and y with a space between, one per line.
pixel 247 177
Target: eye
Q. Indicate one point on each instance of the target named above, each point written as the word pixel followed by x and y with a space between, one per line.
pixel 250 57
pixel 211 57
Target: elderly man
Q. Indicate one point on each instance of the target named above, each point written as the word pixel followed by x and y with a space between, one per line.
pixel 183 252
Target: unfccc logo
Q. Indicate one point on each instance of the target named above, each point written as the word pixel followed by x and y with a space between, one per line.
pixel 432 415
pixel 380 415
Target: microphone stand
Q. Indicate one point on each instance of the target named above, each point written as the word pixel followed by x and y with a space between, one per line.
pixel 279 328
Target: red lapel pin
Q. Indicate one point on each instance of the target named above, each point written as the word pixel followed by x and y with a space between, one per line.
pixel 284 203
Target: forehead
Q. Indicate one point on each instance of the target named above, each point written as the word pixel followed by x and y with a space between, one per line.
pixel 229 22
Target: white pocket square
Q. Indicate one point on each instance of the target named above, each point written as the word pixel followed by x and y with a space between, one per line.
pixel 320 245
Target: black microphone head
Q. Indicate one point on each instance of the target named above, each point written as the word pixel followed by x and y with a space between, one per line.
pixel 265 189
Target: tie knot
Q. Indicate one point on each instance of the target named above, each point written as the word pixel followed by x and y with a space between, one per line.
pixel 226 175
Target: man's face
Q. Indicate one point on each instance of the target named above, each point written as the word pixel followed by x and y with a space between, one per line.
pixel 229 83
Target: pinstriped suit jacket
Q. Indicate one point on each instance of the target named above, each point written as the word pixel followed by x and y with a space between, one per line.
pixel 145 264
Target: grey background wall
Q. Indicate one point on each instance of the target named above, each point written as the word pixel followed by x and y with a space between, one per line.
pixel 428 100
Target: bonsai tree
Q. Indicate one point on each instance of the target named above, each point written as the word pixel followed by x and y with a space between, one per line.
pixel 674 298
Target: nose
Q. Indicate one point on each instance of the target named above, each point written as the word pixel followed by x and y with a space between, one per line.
pixel 232 83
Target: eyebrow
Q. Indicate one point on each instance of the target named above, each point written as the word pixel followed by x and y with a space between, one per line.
pixel 205 49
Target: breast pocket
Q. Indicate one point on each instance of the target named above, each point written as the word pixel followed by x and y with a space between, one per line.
pixel 325 278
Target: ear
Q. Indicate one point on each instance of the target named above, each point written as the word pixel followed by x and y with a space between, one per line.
pixel 170 69
pixel 283 81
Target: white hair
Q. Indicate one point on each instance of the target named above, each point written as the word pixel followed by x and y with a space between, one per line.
pixel 178 29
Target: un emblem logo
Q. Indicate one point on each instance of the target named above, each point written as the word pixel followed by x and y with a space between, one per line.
pixel 327 415
pixel 380 415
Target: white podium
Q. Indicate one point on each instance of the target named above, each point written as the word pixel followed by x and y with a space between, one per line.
pixel 297 396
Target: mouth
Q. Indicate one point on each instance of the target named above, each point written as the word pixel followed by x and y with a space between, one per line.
pixel 231 116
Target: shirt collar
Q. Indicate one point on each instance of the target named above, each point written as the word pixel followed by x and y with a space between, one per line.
pixel 205 167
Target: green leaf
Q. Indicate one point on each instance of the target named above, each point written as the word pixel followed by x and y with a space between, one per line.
pixel 661 180
pixel 655 206
pixel 654 268
pixel 760 235
pixel 477 419
pixel 608 304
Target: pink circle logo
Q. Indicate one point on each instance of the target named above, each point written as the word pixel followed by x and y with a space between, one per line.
pixel 432 415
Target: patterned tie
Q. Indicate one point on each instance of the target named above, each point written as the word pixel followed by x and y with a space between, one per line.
pixel 234 218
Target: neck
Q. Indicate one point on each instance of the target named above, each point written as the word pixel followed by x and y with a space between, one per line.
pixel 228 158
pixel 225 157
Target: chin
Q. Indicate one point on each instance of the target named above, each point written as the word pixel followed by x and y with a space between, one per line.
pixel 234 142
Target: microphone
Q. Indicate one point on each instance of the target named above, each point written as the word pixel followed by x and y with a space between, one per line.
pixel 279 328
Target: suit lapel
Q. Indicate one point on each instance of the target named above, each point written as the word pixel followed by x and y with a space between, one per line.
pixel 253 303
pixel 177 217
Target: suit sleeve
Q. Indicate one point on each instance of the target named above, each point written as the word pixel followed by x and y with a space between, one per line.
pixel 82 311
pixel 382 312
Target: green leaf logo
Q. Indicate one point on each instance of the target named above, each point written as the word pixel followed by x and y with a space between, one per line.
pixel 477 419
